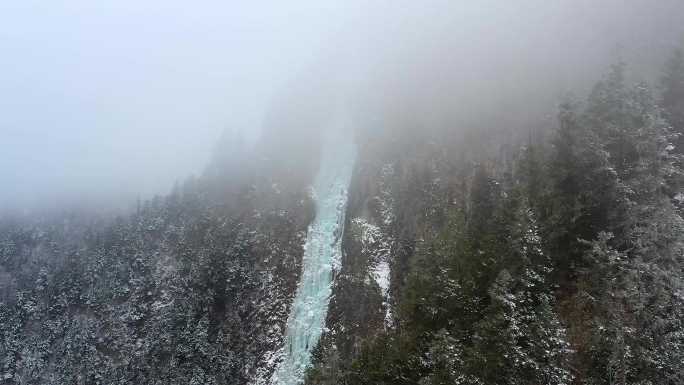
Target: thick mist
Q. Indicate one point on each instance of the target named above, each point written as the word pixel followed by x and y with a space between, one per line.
pixel 105 102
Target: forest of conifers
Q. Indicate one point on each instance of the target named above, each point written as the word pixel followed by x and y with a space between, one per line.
pixel 556 257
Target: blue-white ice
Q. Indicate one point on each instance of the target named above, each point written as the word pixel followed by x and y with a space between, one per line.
pixel 322 253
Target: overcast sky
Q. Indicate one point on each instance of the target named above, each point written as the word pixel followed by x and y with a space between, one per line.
pixel 103 101
pixel 126 96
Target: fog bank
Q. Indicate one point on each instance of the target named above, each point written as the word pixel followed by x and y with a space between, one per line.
pixel 104 102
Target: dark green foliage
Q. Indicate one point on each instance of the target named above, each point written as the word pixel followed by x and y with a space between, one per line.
pixel 562 267
pixel 558 263
pixel 185 291
pixel 477 308
pixel 672 84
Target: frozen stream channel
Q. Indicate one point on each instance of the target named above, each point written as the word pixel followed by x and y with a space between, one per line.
pixel 322 253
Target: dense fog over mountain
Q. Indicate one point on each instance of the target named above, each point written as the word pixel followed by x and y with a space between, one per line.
pixel 108 101
pixel 105 101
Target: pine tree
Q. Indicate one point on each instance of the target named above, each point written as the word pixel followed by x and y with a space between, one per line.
pixel 672 83
pixel 585 192
pixel 672 102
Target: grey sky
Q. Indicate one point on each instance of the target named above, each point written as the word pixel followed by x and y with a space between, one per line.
pixel 105 100
pixel 124 97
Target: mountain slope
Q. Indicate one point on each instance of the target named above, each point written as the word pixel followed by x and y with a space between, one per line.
pixel 556 259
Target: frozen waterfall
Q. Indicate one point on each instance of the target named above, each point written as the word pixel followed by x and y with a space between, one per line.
pixel 322 253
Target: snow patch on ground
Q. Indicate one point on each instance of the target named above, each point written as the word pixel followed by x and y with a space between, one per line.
pixel 377 245
pixel 381 274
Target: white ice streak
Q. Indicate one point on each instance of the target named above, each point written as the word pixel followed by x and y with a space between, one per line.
pixel 322 255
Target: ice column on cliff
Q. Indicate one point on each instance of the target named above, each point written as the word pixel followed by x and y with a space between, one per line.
pixel 322 254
